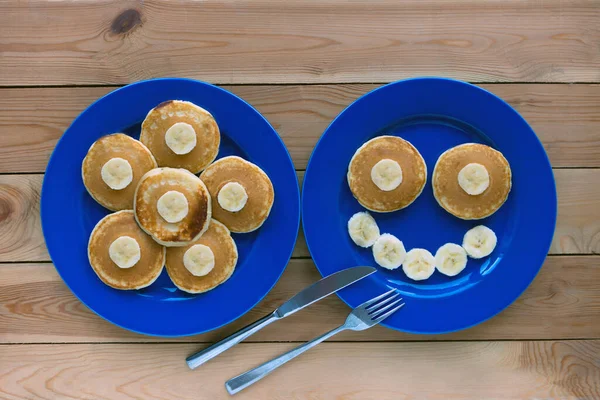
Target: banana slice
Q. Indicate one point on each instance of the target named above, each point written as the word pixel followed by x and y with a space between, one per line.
pixel 386 175
pixel 479 242
pixel 450 259
pixel 117 173
pixel 181 138
pixel 199 260
pixel 363 229
pixel 474 179
pixel 172 206
pixel 125 252
pixel 419 264
pixel 232 197
pixel 389 251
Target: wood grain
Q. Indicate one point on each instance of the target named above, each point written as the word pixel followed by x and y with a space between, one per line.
pixel 577 231
pixel 246 41
pixel 565 117
pixel 562 303
pixel 492 370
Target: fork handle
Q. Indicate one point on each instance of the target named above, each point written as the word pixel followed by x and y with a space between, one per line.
pixel 199 358
pixel 248 378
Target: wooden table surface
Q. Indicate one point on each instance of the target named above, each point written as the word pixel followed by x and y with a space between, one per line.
pixel 300 63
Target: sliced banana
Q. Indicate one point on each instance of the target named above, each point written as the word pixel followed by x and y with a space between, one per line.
pixel 450 259
pixel 419 264
pixel 386 175
pixel 117 173
pixel 232 197
pixel 474 179
pixel 199 260
pixel 125 252
pixel 181 138
pixel 389 251
pixel 172 206
pixel 479 242
pixel 363 229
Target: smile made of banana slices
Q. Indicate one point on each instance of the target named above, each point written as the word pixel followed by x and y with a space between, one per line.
pixel 419 264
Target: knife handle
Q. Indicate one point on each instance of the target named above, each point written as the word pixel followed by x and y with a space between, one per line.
pixel 199 358
pixel 248 378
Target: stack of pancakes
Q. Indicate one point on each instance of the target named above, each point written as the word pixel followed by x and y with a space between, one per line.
pixel 167 214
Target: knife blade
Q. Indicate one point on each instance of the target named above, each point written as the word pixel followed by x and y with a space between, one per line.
pixel 306 297
pixel 323 288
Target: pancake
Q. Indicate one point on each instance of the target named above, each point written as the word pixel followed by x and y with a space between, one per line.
pixel 190 222
pixel 115 146
pixel 453 198
pixel 253 181
pixel 219 240
pixel 156 135
pixel 401 153
pixel 144 272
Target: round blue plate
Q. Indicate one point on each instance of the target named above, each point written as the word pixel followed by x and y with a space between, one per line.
pixel 434 114
pixel 69 214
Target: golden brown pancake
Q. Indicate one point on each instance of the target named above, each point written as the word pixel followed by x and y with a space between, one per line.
pixel 117 145
pixel 453 198
pixel 414 174
pixel 218 238
pixel 258 187
pixel 168 113
pixel 153 186
pixel 144 272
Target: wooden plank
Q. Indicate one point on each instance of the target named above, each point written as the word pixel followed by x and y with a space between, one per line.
pixel 247 41
pixel 562 303
pixel 565 117
pixel 476 370
pixel 577 228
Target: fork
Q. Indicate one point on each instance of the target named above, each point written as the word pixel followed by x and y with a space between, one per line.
pixel 363 317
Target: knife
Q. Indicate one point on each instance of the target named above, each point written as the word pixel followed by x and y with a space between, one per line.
pixel 306 297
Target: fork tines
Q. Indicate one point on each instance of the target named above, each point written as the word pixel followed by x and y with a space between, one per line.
pixel 382 306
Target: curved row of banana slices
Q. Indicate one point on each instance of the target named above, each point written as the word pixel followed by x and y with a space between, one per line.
pixel 419 264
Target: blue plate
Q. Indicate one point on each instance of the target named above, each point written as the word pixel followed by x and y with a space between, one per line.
pixel 434 114
pixel 69 214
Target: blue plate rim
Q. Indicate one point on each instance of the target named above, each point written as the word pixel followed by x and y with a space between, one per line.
pixel 115 92
pixel 487 93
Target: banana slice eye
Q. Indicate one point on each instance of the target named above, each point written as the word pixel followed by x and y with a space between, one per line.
pixel 125 252
pixel 172 206
pixel 386 175
pixel 199 260
pixel 117 173
pixel 363 229
pixel 232 197
pixel 474 179
pixel 181 138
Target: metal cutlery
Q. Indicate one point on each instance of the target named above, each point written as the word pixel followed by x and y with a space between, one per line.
pixel 362 317
pixel 306 297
